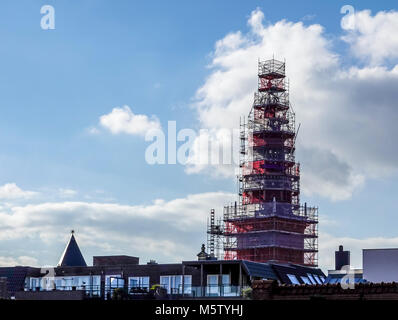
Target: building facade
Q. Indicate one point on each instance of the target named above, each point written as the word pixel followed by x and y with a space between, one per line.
pixel 380 265
pixel 202 278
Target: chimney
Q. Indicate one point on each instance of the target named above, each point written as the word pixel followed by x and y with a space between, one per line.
pixel 342 258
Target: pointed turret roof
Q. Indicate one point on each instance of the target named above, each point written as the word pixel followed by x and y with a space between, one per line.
pixel 72 256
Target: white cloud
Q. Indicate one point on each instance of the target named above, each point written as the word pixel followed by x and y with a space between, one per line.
pixel 19 261
pixel 167 230
pixel 123 120
pixel 373 38
pixel 11 191
pixel 348 115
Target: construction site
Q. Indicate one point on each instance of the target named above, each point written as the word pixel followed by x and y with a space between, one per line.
pixel 267 222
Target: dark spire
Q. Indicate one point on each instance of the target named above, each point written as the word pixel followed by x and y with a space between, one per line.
pixel 72 256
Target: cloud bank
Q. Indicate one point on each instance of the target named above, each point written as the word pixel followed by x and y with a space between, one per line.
pixel 165 230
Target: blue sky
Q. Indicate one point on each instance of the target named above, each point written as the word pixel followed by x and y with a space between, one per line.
pixel 153 57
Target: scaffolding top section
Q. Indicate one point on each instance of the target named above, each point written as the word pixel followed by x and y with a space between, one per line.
pixel 271 69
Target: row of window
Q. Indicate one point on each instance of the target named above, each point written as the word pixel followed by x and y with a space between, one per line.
pixel 310 279
pixel 173 284
pixel 111 282
pixel 216 285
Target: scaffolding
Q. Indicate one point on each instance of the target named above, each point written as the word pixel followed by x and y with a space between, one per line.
pixel 215 233
pixel 268 222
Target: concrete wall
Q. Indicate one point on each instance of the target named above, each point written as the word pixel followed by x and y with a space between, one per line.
pixel 380 265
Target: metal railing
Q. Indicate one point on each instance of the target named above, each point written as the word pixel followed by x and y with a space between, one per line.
pixel 260 210
pixel 254 141
pixel 273 86
pixel 259 167
pixel 250 183
pixel 278 155
pixel 216 291
pixel 189 291
pixel 93 290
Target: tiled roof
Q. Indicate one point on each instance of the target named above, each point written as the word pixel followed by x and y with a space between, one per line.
pixel 15 277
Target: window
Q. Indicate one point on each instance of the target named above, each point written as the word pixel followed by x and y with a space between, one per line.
pixel 66 283
pixel 318 281
pixel 212 280
pixel 226 280
pixel 293 279
pixel 187 284
pixel 96 281
pixel 165 282
pixel 58 284
pixel 35 284
pixel 96 285
pixel 173 284
pixel 305 280
pixel 82 282
pixel 89 283
pixel 212 285
pixel 177 285
pixel 139 282
pixel 75 281
pixel 112 282
pixel 226 285
pixel 311 278
pixel 214 288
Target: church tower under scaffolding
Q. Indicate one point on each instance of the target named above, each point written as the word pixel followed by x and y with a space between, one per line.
pixel 268 223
